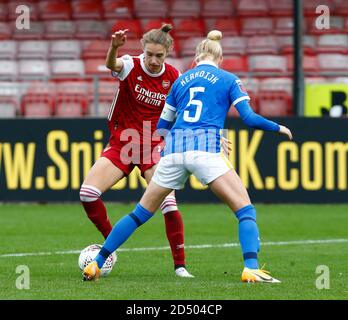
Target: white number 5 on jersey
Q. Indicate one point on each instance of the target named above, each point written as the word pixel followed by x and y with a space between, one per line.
pixel 197 103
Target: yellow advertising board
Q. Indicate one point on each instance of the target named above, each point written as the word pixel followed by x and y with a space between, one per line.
pixel 321 98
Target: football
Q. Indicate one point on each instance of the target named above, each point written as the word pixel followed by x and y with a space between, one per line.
pixel 90 252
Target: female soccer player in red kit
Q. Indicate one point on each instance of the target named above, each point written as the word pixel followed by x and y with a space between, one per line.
pixel 144 84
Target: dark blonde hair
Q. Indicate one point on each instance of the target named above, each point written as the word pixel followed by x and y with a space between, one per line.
pixel 159 36
pixel 210 46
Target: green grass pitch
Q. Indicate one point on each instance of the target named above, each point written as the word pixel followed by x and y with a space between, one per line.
pixel 52 234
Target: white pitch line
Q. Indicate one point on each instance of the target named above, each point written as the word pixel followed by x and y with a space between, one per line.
pixel 201 246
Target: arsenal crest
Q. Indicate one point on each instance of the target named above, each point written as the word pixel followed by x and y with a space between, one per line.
pixel 165 84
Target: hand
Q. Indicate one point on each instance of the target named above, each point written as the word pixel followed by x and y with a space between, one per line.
pixel 119 38
pixel 284 130
pixel 226 146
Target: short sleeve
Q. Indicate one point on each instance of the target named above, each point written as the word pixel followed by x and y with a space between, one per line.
pixel 128 65
pixel 238 92
pixel 170 100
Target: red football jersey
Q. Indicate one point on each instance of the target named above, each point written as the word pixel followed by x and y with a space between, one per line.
pixel 141 96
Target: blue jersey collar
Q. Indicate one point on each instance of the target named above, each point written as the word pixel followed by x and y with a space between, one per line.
pixel 207 62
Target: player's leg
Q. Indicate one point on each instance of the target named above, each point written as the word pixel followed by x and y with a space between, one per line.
pixel 101 177
pixel 126 226
pixel 229 188
pixel 174 228
pixel 166 178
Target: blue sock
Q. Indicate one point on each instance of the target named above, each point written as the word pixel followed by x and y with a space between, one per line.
pixel 122 231
pixel 248 235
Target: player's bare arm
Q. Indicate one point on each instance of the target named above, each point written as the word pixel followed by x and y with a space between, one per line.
pixel 118 39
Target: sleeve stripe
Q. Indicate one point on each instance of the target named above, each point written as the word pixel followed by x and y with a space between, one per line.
pixel 168 106
pixel 112 107
pixel 240 99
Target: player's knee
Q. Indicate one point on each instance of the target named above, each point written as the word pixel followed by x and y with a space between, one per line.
pixel 169 205
pixel 246 213
pixel 89 193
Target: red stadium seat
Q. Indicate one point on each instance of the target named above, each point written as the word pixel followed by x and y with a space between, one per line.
pixel 281 7
pixel 65 49
pixel 188 46
pixel 68 106
pixel 286 45
pixel 131 47
pixel 34 68
pixel 151 8
pixel 257 26
pixel 71 98
pixel 118 9
pixel 267 64
pixel 333 43
pixel 274 97
pixel 96 67
pixel 36 31
pixel 3 12
pixel 310 64
pixel 216 8
pixel 234 45
pixel 8 107
pixel 279 84
pixel 284 26
pixel 67 68
pixel 55 10
pixel 72 88
pixel 329 63
pixel 148 24
pixel 262 45
pixel 33 49
pixel 5 30
pixel 182 64
pixel 345 25
pixel 252 8
pixel 59 29
pixel 8 69
pixel 91 29
pixel 341 7
pixel 8 49
pixel 95 49
pixel 133 26
pixel 106 93
pixel 36 106
pixel 228 26
pixel 184 9
pixel 187 28
pixel 87 9
pixel 10 95
pixel 235 64
pixel 274 104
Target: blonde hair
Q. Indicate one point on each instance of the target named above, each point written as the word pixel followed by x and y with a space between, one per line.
pixel 210 46
pixel 159 36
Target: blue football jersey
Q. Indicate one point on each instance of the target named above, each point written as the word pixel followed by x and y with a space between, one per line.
pixel 201 98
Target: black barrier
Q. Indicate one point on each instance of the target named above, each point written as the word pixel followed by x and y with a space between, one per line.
pixel 46 160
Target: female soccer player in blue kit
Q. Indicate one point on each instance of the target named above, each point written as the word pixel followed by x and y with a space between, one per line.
pixel 195 112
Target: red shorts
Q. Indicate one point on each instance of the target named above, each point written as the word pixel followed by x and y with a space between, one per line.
pixel 126 156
